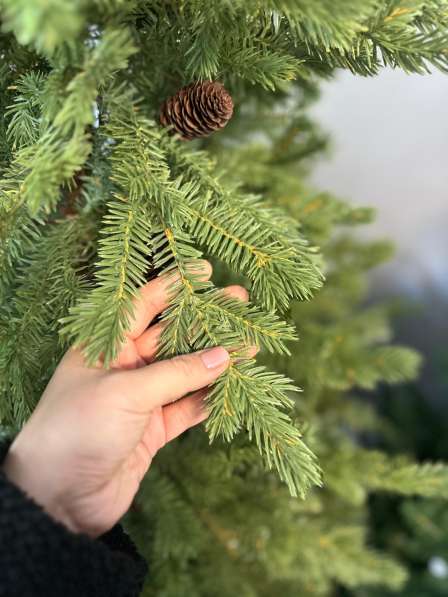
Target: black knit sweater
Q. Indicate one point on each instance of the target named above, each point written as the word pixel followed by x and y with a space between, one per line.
pixel 40 558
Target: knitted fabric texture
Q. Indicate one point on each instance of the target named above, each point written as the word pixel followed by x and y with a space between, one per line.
pixel 40 558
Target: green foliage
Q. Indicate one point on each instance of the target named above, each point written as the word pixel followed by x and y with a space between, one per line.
pixel 46 24
pixel 95 198
pixel 46 286
pixel 271 42
pixel 101 318
pixel 413 528
pixel 24 114
pixel 272 267
pixel 369 470
pixel 265 394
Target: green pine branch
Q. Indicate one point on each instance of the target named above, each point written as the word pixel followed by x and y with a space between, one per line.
pixel 24 115
pixel 44 23
pixel 175 254
pixel 18 232
pixel 409 478
pixel 240 242
pixel 99 320
pixel 249 397
pixel 143 196
pixel 29 346
pixel 340 554
pixel 351 472
pixel 245 322
pixel 64 145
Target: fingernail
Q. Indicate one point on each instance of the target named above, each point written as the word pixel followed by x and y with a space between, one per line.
pixel 215 357
pixel 200 266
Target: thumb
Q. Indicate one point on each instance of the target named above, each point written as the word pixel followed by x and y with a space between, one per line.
pixel 165 381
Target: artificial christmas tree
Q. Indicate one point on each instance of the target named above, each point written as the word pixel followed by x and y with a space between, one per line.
pixel 97 196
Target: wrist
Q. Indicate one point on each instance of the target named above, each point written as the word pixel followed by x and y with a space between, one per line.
pixel 31 480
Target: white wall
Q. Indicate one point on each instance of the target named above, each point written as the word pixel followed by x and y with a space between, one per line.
pixel 390 150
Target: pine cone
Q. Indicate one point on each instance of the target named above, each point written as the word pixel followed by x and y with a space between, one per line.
pixel 198 109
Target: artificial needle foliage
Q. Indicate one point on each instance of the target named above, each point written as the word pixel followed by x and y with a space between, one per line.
pixel 96 198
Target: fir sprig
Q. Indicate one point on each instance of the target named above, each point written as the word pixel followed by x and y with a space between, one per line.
pixel 44 23
pixel 242 244
pixel 29 347
pixel 265 245
pixel 102 316
pixel 247 322
pixel 63 145
pixel 24 115
pixel 250 397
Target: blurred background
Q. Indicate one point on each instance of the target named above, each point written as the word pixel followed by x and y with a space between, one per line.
pixel 389 150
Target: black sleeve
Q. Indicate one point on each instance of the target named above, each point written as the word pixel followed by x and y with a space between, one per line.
pixel 39 557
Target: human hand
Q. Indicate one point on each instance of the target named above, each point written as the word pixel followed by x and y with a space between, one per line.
pixel 94 433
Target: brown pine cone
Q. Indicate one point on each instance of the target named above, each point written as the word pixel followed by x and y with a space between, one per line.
pixel 197 110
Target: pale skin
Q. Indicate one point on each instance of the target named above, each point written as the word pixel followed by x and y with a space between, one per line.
pixel 95 432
